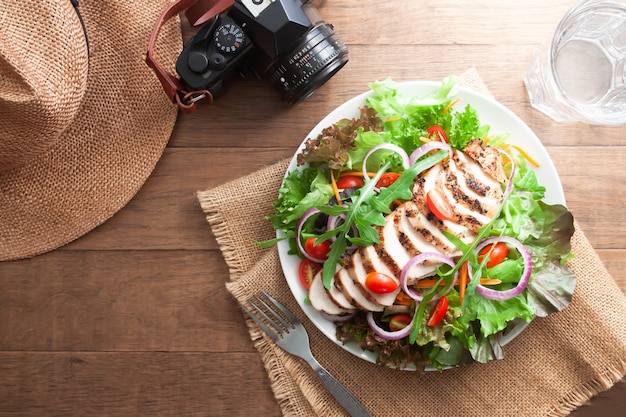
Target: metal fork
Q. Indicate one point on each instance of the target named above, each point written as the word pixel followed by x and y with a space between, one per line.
pixel 289 333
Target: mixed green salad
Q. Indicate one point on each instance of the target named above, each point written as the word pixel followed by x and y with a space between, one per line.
pixel 520 255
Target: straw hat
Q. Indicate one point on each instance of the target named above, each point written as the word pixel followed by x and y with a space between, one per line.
pixel 83 120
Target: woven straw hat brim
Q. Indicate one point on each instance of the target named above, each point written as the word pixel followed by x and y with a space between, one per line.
pixel 109 150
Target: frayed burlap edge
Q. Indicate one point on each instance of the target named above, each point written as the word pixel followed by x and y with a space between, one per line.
pixel 614 372
pixel 288 391
pixel 238 247
pixel 609 377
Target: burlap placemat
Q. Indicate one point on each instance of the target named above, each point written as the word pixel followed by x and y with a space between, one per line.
pixel 555 365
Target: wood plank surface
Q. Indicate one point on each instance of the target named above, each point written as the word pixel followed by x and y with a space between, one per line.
pixel 133 319
pixel 157 384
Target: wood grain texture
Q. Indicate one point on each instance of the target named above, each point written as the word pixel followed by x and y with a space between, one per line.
pixel 111 384
pixel 133 319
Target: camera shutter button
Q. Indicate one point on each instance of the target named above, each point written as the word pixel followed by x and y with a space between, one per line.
pixel 218 61
pixel 198 61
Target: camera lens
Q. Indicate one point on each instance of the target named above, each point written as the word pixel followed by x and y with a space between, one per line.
pixel 314 60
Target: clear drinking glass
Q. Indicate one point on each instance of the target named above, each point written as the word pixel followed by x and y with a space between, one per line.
pixel 580 74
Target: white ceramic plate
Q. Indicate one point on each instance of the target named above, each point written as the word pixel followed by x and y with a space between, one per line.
pixel 499 118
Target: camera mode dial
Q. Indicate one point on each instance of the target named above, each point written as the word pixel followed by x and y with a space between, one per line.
pixel 229 37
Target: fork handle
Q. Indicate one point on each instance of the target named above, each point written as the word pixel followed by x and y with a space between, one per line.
pixel 341 393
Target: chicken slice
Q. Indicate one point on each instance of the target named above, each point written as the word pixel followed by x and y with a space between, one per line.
pixel 320 300
pixel 345 282
pixel 489 158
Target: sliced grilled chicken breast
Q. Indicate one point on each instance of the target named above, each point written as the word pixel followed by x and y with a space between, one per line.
pixel 339 298
pixel 346 284
pixel 470 182
pixel 321 301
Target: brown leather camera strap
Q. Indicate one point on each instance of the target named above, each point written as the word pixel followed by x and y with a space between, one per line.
pixel 198 12
pixel 204 10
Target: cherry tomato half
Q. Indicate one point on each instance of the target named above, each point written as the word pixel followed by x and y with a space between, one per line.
pixel 387 179
pixel 349 181
pixel 436 132
pixel 498 254
pixel 399 322
pixel 438 312
pixel 307 270
pixel 380 283
pixel 319 250
pixel 438 204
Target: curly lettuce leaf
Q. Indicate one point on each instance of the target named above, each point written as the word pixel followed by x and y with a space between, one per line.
pixel 494 316
pixel 546 231
pixel 436 336
pixel 363 143
pixel 301 189
pixel 465 126
pixel 553 283
pixel 389 102
pixel 487 348
pixel 407 118
pixel 333 144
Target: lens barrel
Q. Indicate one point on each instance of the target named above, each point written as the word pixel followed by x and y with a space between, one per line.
pixel 315 59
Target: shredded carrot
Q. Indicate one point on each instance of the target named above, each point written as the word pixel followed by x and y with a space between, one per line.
pixel 449 106
pixel 463 276
pixel 403 299
pixel 392 119
pixel 355 174
pixel 526 155
pixel 428 283
pixel 490 281
pixel 335 189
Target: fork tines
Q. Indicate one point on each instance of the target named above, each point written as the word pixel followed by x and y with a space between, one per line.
pixel 281 323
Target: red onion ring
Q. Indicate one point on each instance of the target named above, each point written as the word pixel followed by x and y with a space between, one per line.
pixel 427 147
pixel 307 214
pixel 496 295
pixel 415 260
pixel 332 221
pixel 389 147
pixel 332 224
pixel 388 335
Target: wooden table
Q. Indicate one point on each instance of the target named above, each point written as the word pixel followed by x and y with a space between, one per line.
pixel 134 318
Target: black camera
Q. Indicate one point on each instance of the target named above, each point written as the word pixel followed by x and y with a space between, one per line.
pixel 284 41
